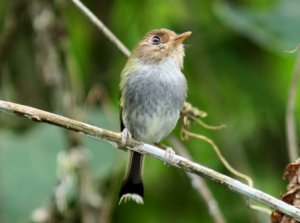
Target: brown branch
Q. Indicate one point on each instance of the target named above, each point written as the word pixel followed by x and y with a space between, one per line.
pixel 149 150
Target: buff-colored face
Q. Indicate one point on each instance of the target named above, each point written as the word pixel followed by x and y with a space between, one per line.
pixel 159 44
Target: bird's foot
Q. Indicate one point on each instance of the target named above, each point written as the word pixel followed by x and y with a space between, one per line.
pixel 169 155
pixel 125 136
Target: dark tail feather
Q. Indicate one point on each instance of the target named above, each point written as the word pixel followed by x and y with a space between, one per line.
pixel 132 186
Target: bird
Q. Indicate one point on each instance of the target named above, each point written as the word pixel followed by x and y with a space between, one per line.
pixel 152 93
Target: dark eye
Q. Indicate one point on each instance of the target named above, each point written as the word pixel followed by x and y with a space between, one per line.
pixel 155 40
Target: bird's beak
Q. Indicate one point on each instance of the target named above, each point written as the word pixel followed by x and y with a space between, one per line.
pixel 181 37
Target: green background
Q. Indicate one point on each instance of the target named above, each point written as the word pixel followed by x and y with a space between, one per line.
pixel 52 57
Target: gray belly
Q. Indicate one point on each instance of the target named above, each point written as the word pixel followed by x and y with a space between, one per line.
pixel 152 107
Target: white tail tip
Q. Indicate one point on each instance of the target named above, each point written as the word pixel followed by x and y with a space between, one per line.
pixel 134 197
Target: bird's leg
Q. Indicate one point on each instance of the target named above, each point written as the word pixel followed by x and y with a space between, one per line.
pixel 169 153
pixel 125 136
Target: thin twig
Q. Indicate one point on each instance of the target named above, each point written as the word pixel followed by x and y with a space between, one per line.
pixel 221 157
pixel 115 138
pixel 229 168
pixel 291 132
pixel 206 126
pixel 192 111
pixel 199 184
pixel 102 27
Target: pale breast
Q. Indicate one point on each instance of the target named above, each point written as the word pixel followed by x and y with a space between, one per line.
pixel 152 101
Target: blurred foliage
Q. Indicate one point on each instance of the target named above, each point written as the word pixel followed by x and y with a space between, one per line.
pixel 52 57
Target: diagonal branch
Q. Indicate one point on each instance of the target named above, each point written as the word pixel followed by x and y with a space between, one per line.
pixel 102 27
pixel 178 161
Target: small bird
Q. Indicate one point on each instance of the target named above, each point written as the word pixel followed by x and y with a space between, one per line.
pixel 153 90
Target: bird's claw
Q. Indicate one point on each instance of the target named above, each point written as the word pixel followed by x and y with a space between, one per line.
pixel 169 155
pixel 125 136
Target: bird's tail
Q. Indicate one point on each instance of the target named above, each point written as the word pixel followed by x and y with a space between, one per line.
pixel 132 186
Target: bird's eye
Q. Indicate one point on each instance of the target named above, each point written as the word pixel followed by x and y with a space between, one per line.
pixel 155 40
